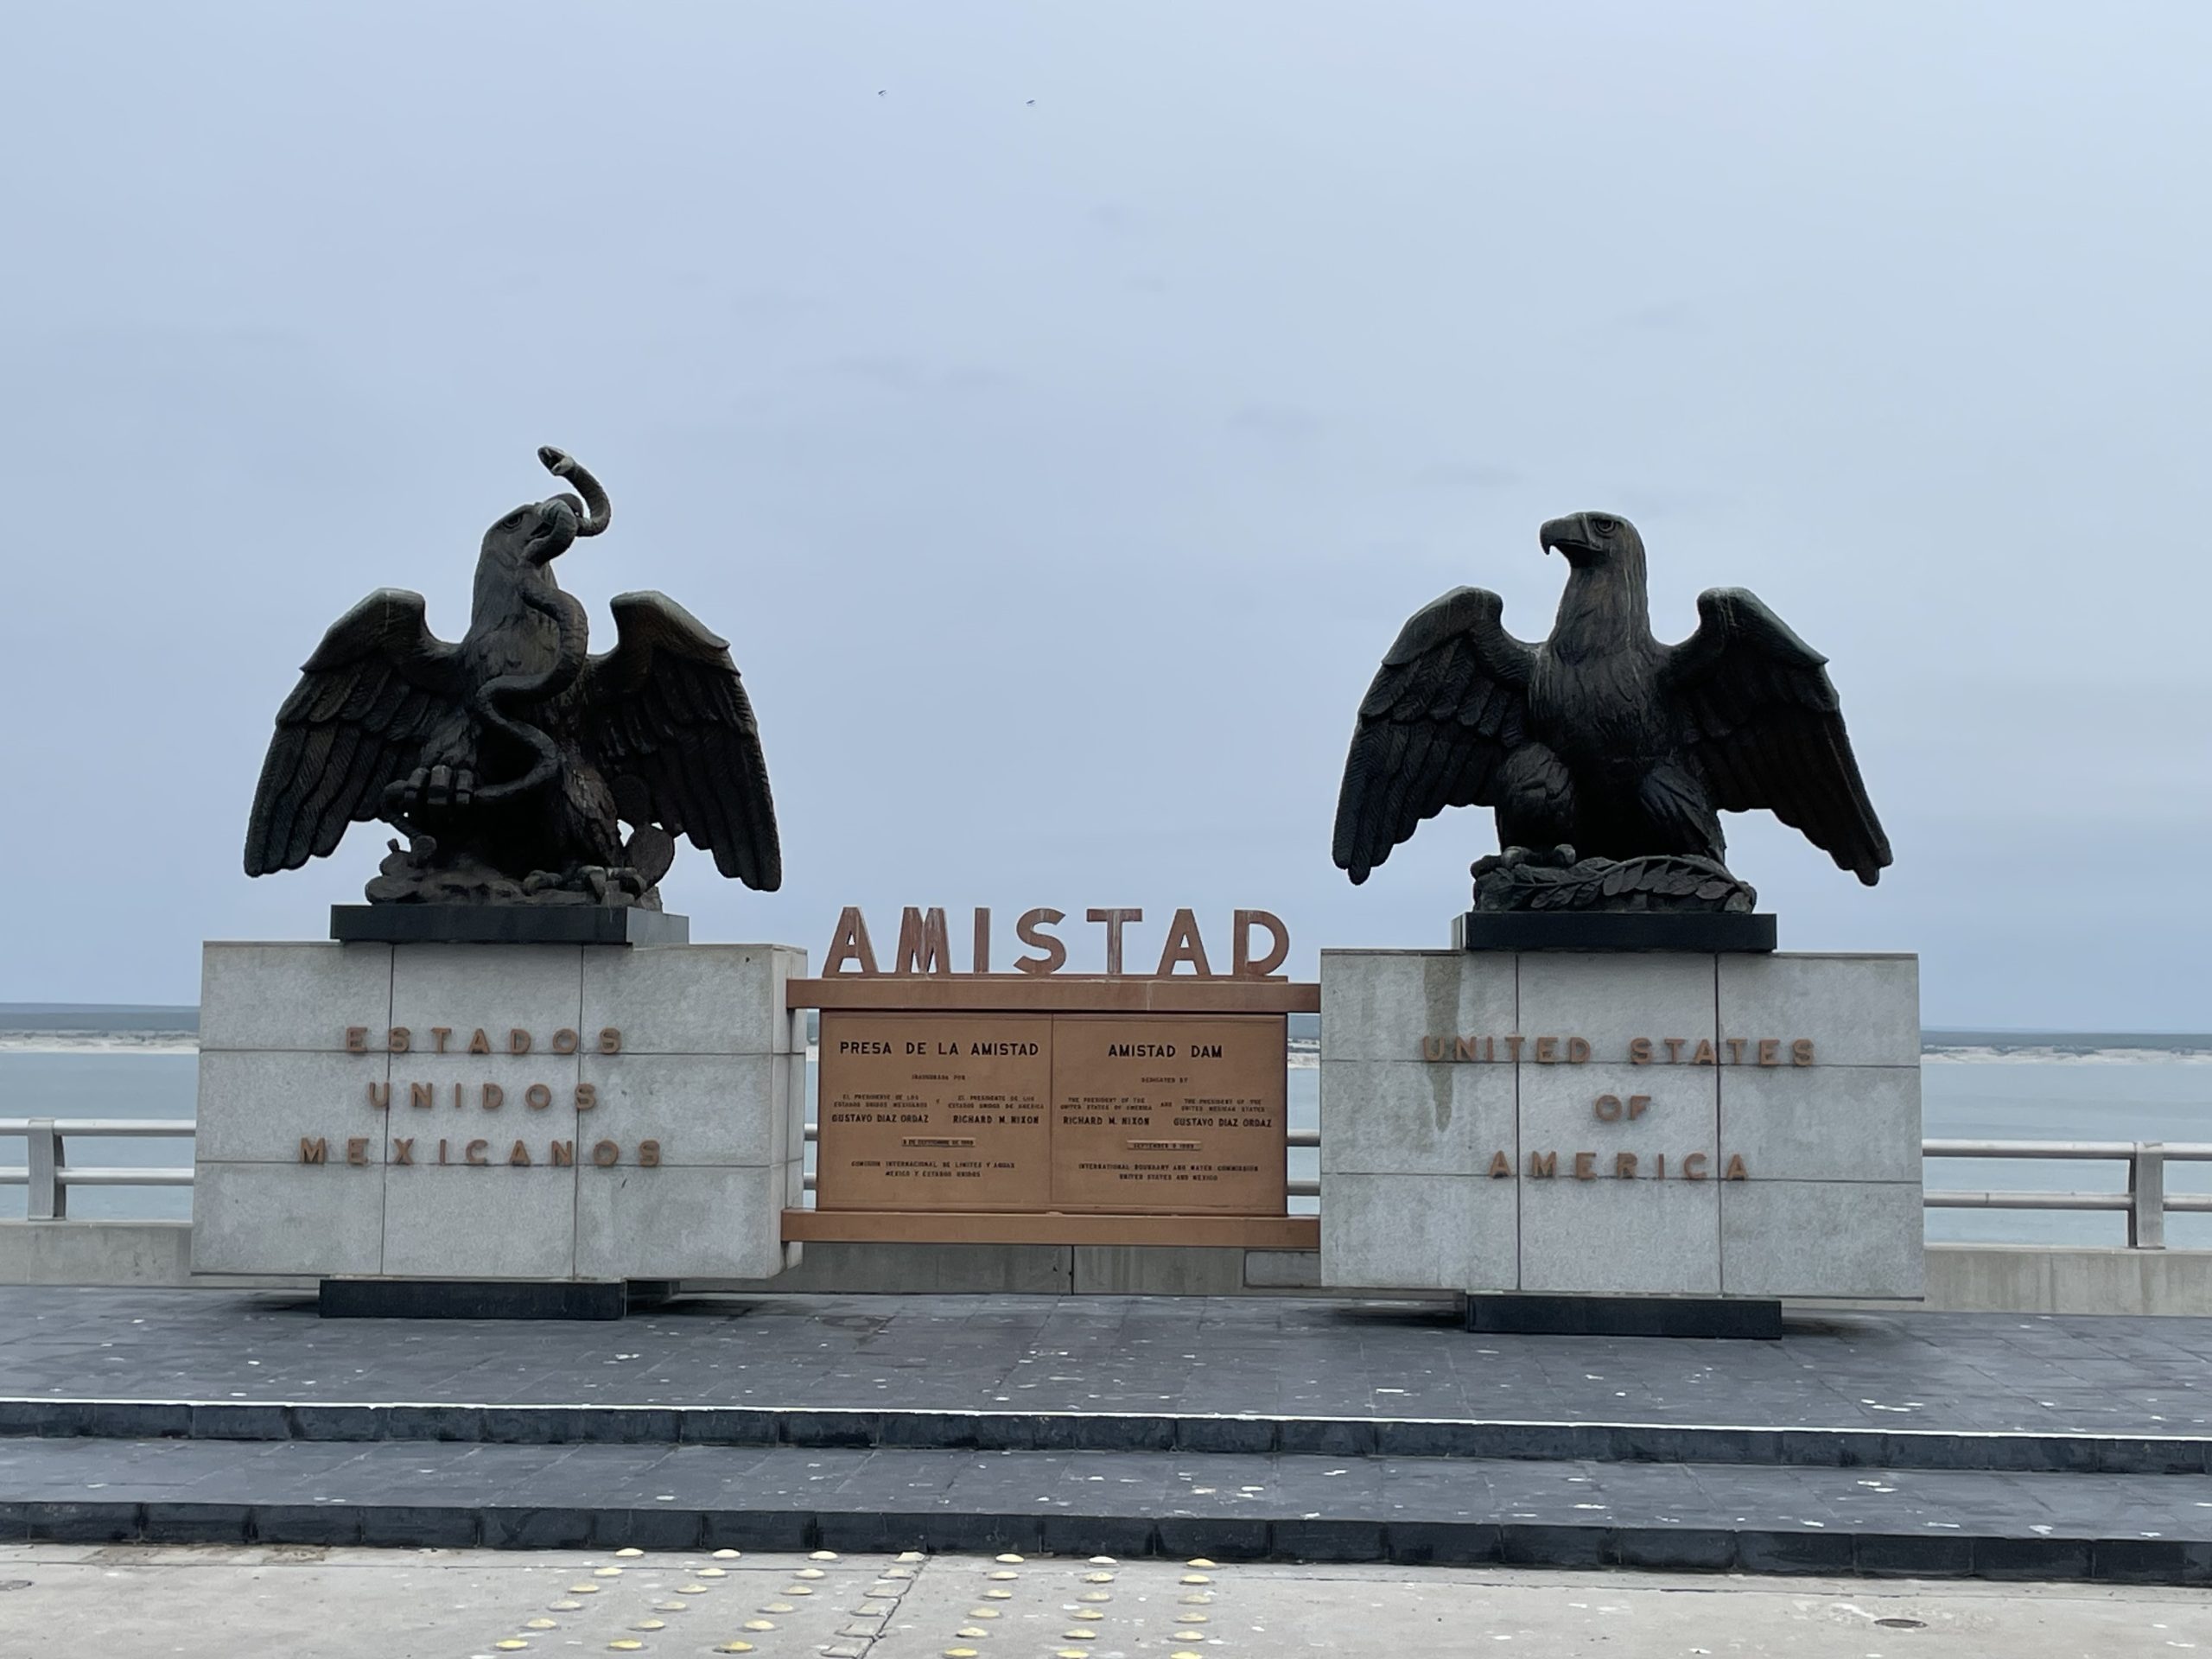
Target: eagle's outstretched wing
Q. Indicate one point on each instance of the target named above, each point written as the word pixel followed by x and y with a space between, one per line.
pixel 1447 706
pixel 1766 729
pixel 667 708
pixel 377 686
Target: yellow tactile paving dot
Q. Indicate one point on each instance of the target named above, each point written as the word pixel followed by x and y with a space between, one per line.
pixel 666 1603
pixel 833 1606
pixel 1050 1608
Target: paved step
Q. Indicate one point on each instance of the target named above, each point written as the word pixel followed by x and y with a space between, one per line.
pixel 1292 1376
pixel 1673 1516
pixel 1249 1433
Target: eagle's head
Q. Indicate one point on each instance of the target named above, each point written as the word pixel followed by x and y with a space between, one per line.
pixel 1593 540
pixel 534 535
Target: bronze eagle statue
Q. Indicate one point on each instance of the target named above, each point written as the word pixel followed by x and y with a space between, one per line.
pixel 1601 742
pixel 511 758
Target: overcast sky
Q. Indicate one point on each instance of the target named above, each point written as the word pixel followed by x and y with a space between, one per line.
pixel 1059 408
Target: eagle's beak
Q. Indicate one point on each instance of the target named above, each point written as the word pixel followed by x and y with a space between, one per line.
pixel 1558 534
pixel 557 530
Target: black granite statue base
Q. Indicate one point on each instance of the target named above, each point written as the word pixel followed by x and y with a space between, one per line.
pixel 1623 1316
pixel 473 1298
pixel 506 925
pixel 1613 930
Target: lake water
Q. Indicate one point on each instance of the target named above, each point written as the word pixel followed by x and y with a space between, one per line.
pixel 2085 1099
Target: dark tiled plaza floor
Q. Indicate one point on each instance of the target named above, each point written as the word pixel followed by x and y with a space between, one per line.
pixel 1958 1373
pixel 1306 1429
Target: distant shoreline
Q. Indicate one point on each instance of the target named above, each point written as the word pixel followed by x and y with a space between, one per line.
pixel 156 1028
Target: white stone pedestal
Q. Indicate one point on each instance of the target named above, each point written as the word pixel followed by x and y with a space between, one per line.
pixel 498 1111
pixel 1626 1124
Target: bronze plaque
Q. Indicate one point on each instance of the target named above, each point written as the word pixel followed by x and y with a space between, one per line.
pixel 934 1111
pixel 1099 1114
pixel 1170 1114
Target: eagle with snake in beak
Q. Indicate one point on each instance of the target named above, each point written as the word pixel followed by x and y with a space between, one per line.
pixel 511 759
pixel 1602 743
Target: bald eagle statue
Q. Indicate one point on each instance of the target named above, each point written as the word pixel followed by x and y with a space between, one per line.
pixel 510 758
pixel 1607 756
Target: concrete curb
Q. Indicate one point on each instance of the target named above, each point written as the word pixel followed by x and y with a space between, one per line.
pixel 1659 1548
pixel 45 1418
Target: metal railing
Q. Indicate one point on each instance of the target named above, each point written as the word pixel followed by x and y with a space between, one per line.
pixel 49 1175
pixel 2144 1199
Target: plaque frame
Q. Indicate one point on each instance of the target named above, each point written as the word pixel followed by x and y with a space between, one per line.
pixel 1255 1217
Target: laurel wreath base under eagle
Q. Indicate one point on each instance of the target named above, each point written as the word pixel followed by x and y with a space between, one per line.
pixel 415 874
pixel 1521 880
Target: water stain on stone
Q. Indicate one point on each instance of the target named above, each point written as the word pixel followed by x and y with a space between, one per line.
pixel 1440 983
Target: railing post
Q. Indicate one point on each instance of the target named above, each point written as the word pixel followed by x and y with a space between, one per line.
pixel 48 1199
pixel 2146 1186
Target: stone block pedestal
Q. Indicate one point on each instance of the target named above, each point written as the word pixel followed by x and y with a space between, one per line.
pixel 1709 1126
pixel 547 1113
